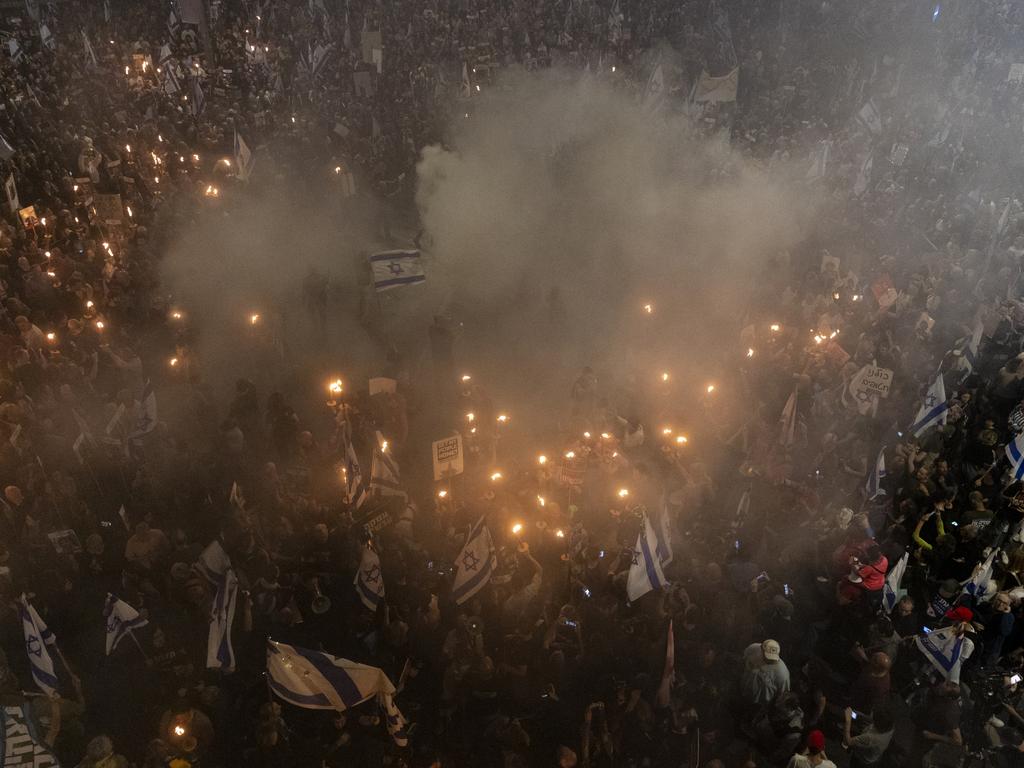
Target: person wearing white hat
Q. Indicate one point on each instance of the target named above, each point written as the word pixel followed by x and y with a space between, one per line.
pixel 765 675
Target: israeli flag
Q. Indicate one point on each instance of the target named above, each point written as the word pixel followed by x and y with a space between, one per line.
pixel 368 581
pixel 663 533
pixel 244 160
pixel 933 409
pixel 121 619
pixel 891 587
pixel 384 477
pixel 392 269
pixel 475 563
pixel 214 562
pixel 354 488
pixel 220 654
pixel 38 640
pixel 946 651
pixel 645 573
pixel 1015 453
pixel 317 680
pixel 976 585
pixel 146 420
pixel 874 487
pixel 970 350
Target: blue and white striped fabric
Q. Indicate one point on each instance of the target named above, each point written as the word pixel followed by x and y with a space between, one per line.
pixel 369 582
pixel 978 583
pixel 121 619
pixel 933 409
pixel 392 269
pixel 354 488
pixel 891 587
pixel 663 532
pixel 38 641
pixel 645 573
pixel 220 654
pixel 970 350
pixel 317 680
pixel 946 650
pixel 475 563
pixel 1015 453
pixel 874 487
pixel 214 562
pixel 384 477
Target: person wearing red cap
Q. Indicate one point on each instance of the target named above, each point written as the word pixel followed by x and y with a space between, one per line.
pixel 813 755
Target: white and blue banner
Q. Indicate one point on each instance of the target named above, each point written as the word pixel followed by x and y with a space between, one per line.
pixel 475 563
pixel 933 409
pixel 874 488
pixel 946 650
pixel 369 582
pixel 121 620
pixel 645 573
pixel 317 680
pixel 1015 453
pixel 893 579
pixel 220 654
pixel 38 641
pixel 393 269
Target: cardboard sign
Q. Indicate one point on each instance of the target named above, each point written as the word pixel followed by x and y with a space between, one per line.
pixel 108 208
pixel 66 542
pixel 383 385
pixel 448 457
pixel 378 522
pixel 21 749
pixel 28 217
pixel 884 291
pixel 877 381
pixel 836 354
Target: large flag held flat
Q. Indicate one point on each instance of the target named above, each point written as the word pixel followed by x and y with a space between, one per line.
pixel 933 409
pixel 38 641
pixel 874 488
pixel 392 269
pixel 946 650
pixel 893 579
pixel 475 563
pixel 220 653
pixel 645 573
pixel 369 582
pixel 121 620
pixel 317 680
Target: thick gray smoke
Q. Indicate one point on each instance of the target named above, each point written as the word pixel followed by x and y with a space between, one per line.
pixel 567 183
pixel 560 207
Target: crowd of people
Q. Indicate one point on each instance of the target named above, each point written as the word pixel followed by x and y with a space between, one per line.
pixel 816 559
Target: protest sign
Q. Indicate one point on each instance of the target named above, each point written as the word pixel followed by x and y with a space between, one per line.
pixel 28 217
pixel 448 457
pixel 108 208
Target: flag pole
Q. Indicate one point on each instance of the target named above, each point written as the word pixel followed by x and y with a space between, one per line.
pixel 139 645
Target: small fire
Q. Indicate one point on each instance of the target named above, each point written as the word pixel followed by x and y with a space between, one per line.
pixel 502 418
pixel 542 501
pixel 51 337
pixel 775 327
pixel 560 533
pixel 649 308
pixel 666 431
pixel 623 493
pixel 466 377
pixel 711 388
pixel 176 315
pixel 517 528
pixel 470 416
pixel 442 494
pixel 179 730
pixel 542 459
pixel 664 377
pixel 682 440
pixel 570 454
pixel 100 325
pixel 335 387
pixel 496 476
pixel 173 362
pixel 254 318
